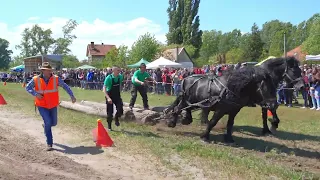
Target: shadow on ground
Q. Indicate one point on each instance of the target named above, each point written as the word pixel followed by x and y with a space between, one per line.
pixel 280 134
pixel 93 150
pixel 248 143
pixel 143 134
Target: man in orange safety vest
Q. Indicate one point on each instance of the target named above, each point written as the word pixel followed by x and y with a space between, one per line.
pixel 45 89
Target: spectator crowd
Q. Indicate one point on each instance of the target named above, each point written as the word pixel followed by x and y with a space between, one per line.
pixel 168 81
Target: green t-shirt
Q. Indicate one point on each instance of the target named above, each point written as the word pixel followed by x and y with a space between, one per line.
pixel 140 76
pixel 108 81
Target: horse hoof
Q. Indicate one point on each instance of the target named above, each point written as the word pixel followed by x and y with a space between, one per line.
pixel 228 139
pixel 186 123
pixel 205 140
pixel 273 130
pixel 172 125
pixel 266 132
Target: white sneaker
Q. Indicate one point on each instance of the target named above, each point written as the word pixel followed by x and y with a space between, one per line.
pixel 303 107
pixel 313 108
pixel 318 109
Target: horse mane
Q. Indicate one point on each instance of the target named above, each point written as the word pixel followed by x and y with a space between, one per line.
pixel 277 66
pixel 244 80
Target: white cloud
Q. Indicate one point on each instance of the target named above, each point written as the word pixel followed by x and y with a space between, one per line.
pixel 33 18
pixel 97 31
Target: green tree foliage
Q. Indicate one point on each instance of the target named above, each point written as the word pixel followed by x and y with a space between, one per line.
pixel 235 55
pixel 210 45
pixel 184 23
pixel 62 44
pixel 312 43
pixel 146 47
pixel 35 41
pixel 234 46
pixel 70 61
pixel 16 61
pixel 255 45
pixel 40 41
pixel 5 54
pixel 115 57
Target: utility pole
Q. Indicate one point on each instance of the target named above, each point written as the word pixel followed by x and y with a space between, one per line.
pixel 284 44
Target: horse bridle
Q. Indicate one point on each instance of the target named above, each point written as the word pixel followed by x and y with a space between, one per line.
pixel 288 76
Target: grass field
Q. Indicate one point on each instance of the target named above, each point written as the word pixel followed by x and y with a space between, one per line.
pixel 292 154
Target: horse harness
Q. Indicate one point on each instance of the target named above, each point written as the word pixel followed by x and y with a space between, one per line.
pixel 213 99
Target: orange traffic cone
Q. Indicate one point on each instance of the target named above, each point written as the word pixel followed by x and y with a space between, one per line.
pixel 269 113
pixel 5 83
pixel 101 136
pixel 2 101
pixel 24 85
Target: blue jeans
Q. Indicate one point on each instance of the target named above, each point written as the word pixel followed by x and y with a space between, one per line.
pixel 317 96
pixel 305 97
pixel 176 88
pixel 50 118
pixel 281 96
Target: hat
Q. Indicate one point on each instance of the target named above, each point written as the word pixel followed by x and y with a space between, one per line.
pixel 46 66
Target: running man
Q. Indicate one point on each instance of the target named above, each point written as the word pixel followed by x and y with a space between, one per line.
pixel 45 89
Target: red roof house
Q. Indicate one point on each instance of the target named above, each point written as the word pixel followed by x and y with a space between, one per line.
pixel 97 51
pixel 297 53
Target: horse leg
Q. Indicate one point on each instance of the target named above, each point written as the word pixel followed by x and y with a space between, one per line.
pixel 188 118
pixel 204 115
pixel 275 120
pixel 214 120
pixel 176 111
pixel 228 137
pixel 173 105
pixel 265 129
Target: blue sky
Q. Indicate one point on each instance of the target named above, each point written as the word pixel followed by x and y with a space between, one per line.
pixel 222 15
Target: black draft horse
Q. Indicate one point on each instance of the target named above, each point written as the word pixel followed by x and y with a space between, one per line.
pixel 279 69
pixel 226 94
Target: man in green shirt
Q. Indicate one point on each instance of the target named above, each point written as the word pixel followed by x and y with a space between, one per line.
pixel 111 89
pixel 138 80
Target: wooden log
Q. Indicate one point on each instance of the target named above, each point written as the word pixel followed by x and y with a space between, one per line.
pixel 85 109
pixel 99 109
pixel 158 109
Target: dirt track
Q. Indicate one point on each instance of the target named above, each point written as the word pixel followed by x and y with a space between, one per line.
pixel 22 156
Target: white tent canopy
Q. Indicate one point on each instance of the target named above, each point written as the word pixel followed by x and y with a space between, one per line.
pixel 163 62
pixel 313 57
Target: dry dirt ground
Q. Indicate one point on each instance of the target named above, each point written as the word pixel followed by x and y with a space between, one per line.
pixel 23 155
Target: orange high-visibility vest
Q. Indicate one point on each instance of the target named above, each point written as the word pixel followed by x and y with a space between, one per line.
pixel 49 91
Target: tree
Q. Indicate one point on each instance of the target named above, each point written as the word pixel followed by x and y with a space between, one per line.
pixel 146 47
pixel 115 57
pixel 70 61
pixel 234 56
pixel 123 55
pixel 40 41
pixel 111 58
pixel 16 61
pixel 184 23
pixel 5 54
pixel 210 43
pixel 62 44
pixel 311 45
pixel 35 41
pixel 254 45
